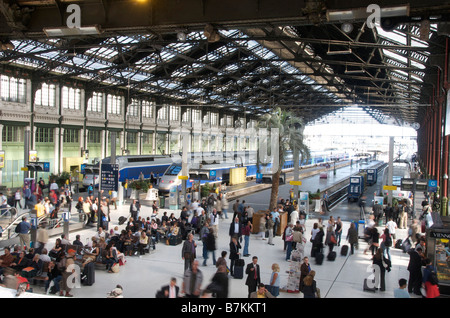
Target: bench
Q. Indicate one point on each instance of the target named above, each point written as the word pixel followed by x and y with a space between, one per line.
pixel 40 277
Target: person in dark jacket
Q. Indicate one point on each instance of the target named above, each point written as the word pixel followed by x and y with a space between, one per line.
pixel 253 275
pixel 415 271
pixel 234 253
pixel 235 228
pixel 210 242
pixel 219 283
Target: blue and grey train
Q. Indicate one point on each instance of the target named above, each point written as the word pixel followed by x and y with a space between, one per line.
pixel 130 167
pixel 219 171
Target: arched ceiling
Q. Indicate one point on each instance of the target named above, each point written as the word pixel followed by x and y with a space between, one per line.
pixel 238 55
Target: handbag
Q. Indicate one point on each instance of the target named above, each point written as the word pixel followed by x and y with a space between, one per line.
pixel 333 239
pixel 115 268
pixel 289 238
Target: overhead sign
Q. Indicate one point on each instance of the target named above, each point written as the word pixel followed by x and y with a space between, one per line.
pixel 46 166
pixel 109 178
pixel 407 184
pixel 422 185
pixel 432 185
pixel 410 184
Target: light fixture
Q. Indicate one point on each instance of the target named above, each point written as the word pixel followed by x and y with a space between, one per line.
pixel 66 31
pixel 356 71
pixel 349 51
pixel 362 14
pixel 445 176
pixel 181 36
pixel 347 27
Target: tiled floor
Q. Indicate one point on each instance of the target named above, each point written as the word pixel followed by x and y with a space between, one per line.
pixel 142 276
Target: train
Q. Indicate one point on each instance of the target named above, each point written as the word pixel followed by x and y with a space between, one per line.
pixel 130 167
pixel 219 172
pixel 357 186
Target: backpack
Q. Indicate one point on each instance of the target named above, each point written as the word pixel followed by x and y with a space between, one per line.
pixel 388 241
pixel 433 279
pixel 17 229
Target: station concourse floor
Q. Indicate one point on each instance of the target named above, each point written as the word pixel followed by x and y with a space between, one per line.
pixel 141 277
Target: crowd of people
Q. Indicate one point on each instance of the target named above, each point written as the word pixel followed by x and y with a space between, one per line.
pixel 201 218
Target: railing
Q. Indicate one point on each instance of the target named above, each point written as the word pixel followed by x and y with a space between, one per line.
pixel 12 218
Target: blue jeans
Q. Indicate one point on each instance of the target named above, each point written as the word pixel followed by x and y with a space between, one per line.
pixel 56 280
pixel 288 249
pixel 246 241
pixel 338 235
pixel 224 212
pixel 206 258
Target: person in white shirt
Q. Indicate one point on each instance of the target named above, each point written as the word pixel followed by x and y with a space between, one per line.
pixel 214 217
pixel 44 257
pixel 100 233
pixel 194 206
pixel 391 225
pixel 54 186
pixel 64 240
pixel 250 212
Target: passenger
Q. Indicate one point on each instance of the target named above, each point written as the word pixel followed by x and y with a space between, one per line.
pixel 143 242
pixel 34 267
pixel 262 227
pixel 225 205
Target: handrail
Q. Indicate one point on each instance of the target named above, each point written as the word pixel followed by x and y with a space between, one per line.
pixel 13 221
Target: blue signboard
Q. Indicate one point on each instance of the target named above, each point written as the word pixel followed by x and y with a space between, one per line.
pixel 212 173
pixel 109 179
pixel 47 166
pixel 82 167
pixel 432 185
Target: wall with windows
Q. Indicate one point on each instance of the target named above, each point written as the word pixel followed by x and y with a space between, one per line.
pixel 142 126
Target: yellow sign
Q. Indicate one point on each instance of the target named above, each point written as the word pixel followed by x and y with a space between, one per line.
pixel 183 177
pixel 386 187
pixel 24 168
pixel 2 159
pixel 298 183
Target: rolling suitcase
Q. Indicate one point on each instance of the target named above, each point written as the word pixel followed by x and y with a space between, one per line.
pixel 331 256
pixel 366 286
pixel 238 271
pixel 406 245
pixel 344 250
pixel 319 258
pixel 88 275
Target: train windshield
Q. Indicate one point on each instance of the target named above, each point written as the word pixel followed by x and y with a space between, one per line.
pixel 173 170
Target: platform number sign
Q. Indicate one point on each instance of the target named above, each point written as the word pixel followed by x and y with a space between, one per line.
pixel 432 185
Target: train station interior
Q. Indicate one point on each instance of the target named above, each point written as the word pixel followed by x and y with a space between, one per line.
pixel 339 107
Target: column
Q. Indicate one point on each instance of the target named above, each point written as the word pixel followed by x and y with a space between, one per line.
pixel 1 148
pixel 57 142
pixel 61 149
pixel 104 142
